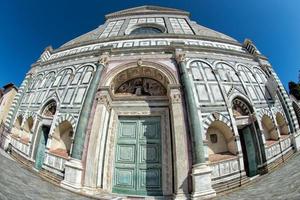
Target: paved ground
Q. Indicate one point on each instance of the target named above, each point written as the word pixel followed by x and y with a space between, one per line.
pixel 17 183
pixel 284 183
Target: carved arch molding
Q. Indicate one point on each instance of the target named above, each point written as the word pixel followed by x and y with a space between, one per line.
pixel 140 81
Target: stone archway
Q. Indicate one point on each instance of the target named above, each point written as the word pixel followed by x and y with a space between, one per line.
pixel 250 137
pixel 128 92
pixel 42 134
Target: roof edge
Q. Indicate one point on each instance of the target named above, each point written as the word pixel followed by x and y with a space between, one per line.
pixel 147 9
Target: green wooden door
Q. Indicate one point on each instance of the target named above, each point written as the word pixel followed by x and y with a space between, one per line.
pixel 40 154
pixel 249 142
pixel 138 157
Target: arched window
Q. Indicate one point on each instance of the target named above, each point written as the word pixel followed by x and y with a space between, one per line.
pixel 77 76
pixel 227 73
pixel 48 79
pixel 37 82
pixel 246 74
pixel 50 109
pixel 87 75
pixel 58 78
pixel 66 78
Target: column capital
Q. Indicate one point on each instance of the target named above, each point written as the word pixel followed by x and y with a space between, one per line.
pixel 104 58
pixel 180 56
pixel 103 97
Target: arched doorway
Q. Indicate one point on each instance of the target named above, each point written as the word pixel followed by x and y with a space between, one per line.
pixel 250 137
pixel 47 115
pixel 138 147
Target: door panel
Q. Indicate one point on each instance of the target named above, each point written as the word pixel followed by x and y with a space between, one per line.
pixel 250 151
pixel 138 156
pixel 40 155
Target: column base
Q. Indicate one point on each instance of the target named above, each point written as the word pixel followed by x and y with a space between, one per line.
pixel 73 174
pixel 202 187
pixel 181 196
pixel 90 190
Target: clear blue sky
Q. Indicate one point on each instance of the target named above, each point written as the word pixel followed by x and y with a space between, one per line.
pixel 29 26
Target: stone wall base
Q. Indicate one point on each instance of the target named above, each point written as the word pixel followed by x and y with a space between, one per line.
pixel 230 184
pixel 20 159
pixel 279 161
pixel 73 174
pixel 201 176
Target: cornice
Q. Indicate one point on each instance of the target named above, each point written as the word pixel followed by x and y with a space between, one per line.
pixel 156 36
pixel 166 49
pixel 147 9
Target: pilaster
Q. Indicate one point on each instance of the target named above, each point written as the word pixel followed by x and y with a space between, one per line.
pixel 179 138
pixel 201 172
pixel 93 172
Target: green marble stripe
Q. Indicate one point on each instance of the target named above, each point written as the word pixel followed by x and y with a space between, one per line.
pixel 194 121
pixel 85 114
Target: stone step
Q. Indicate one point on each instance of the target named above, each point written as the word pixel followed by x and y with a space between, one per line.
pixel 51 177
pixel 230 185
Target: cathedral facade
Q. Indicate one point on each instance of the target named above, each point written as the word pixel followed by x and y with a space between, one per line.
pixel 152 104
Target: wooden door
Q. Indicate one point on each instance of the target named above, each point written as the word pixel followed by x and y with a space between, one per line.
pixel 40 154
pixel 250 154
pixel 138 165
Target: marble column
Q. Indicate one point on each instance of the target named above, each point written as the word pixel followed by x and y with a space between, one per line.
pixel 74 168
pixel 95 152
pixel 201 172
